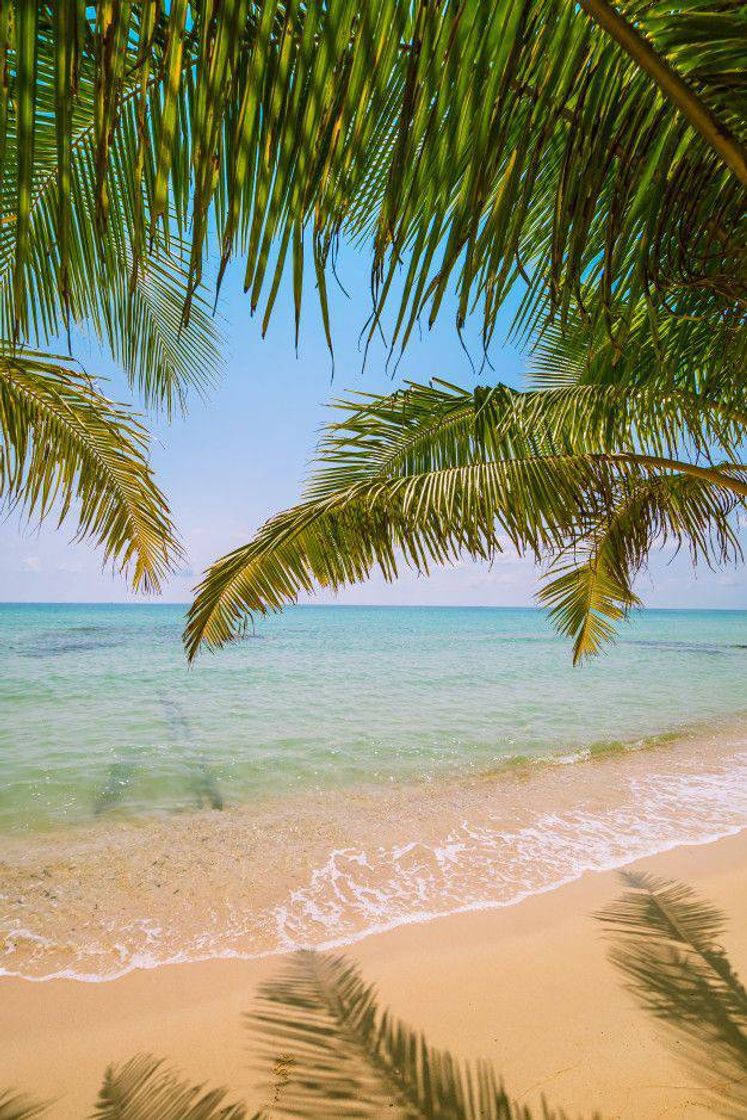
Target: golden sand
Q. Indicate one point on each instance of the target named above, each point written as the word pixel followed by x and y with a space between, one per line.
pixel 528 987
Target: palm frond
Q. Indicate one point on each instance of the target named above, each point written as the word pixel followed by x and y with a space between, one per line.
pixel 588 596
pixel 67 451
pixel 565 145
pixel 426 473
pixel 334 1052
pixel 665 941
pixel 589 587
pixel 687 354
pixel 80 268
pixel 142 1089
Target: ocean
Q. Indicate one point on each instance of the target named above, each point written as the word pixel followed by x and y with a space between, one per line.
pixel 342 769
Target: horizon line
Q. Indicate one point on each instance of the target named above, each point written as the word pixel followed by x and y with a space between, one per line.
pixel 339 606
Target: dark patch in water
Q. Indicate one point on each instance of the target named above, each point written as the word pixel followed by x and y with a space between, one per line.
pixel 73 639
pixel 114 789
pixel 712 649
pixel 201 776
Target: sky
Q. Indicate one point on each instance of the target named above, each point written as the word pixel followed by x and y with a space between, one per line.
pixel 242 454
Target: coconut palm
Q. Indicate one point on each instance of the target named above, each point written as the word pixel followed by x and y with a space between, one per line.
pixel 591 475
pixel 592 153
pixel 567 144
pixel 556 146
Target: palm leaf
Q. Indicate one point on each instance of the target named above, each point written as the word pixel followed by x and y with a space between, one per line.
pixel 432 471
pixel 73 268
pixel 67 451
pixel 588 596
pixel 665 941
pixel 578 147
pixel 589 585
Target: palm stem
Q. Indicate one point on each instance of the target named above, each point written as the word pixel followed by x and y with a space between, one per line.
pixel 674 88
pixel 708 474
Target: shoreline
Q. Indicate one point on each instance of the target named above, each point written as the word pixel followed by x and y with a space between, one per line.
pixel 342 944
pixel 527 986
pixel 325 871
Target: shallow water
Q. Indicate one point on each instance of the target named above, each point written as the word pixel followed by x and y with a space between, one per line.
pixel 346 769
pixel 101 714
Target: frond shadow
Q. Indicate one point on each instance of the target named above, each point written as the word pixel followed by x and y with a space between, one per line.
pixel 333 1052
pixel 665 941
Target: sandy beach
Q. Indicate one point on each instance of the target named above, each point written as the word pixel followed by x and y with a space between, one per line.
pixel 527 986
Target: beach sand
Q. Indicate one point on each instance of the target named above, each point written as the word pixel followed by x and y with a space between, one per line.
pixel 527 986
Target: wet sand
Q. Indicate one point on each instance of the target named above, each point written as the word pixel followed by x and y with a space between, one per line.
pixel 527 986
pixel 95 901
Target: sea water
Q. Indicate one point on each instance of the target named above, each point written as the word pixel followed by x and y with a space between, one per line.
pixel 340 769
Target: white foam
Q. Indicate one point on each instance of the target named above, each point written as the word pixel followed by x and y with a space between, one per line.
pixel 475 865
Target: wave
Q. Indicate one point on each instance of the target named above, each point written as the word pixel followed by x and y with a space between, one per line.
pixel 325 870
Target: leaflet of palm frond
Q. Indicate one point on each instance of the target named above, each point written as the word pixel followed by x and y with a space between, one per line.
pixel 666 942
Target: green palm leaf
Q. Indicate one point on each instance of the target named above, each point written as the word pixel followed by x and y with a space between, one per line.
pixel 67 451
pixel 74 269
pixel 589 586
pixel 577 147
pixel 665 941
pixel 431 471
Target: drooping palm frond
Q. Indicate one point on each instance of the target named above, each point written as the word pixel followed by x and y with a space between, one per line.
pixel 67 451
pixel 334 1052
pixel 569 144
pixel 666 942
pixel 589 586
pixel 425 473
pixel 588 595
pixel 73 269
pixel 142 1089
pixel 691 355
pixel 14 1106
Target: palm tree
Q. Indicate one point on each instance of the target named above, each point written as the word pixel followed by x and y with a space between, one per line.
pixel 592 153
pixel 564 148
pixel 593 475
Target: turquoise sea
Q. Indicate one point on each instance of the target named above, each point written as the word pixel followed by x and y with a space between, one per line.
pixel 102 714
pixel 339 770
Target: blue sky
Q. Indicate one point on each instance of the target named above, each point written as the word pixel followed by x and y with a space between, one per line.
pixel 241 455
